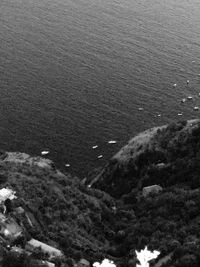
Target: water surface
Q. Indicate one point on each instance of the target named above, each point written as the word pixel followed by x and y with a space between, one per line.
pixel 74 73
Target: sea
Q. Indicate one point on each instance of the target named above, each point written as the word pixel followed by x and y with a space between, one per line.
pixel 78 73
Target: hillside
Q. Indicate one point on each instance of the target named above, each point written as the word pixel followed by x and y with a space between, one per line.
pixel 110 215
pixel 162 150
pixel 63 212
pixel 168 221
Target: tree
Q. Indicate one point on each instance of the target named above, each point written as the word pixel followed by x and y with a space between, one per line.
pixel 188 260
pixel 12 259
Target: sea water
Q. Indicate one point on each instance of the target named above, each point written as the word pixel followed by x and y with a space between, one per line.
pixel 77 73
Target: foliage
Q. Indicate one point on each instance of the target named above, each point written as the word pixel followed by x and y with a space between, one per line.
pixel 167 221
pixel 114 218
pixel 64 213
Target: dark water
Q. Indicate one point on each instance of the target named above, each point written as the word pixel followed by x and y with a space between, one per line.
pixel 74 73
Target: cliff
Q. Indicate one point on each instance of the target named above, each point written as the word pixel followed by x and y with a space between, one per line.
pixel 166 220
pixel 160 148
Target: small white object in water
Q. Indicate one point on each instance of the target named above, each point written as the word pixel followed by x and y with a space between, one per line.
pixel 45 152
pixel 189 97
pixel 183 100
pixel 94 146
pixel 196 108
pixel 193 61
pixel 112 142
pixel 180 114
pixel 159 115
pixel 140 109
pixel 188 81
pixel 174 84
pixel 100 156
pixel 67 165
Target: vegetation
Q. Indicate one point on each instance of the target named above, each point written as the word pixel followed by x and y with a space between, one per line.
pixel 63 212
pixel 168 221
pixel 114 219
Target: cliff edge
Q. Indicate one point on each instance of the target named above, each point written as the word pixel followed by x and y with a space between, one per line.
pixel 126 169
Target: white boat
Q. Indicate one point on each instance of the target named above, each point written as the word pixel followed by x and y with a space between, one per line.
pixel 180 114
pixel 196 108
pixel 183 100
pixel 112 142
pixel 140 109
pixel 67 165
pixel 189 97
pixel 94 146
pixel 45 152
pixel 100 156
pixel 174 84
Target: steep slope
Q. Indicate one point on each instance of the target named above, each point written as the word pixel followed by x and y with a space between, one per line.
pixel 161 149
pixel 112 217
pixel 168 221
pixel 62 212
